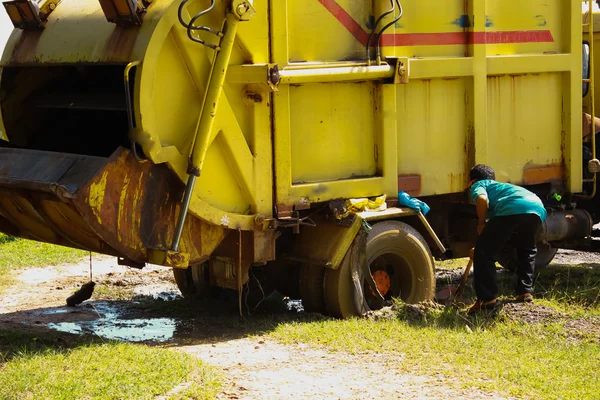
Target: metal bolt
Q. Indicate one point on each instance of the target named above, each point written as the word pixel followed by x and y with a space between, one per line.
pixel 242 9
pixel 259 219
pixel 274 75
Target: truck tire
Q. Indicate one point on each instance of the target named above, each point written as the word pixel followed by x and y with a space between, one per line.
pixel 193 281
pixel 396 250
pixel 508 257
pixel 311 288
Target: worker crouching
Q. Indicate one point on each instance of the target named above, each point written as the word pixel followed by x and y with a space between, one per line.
pixel 503 210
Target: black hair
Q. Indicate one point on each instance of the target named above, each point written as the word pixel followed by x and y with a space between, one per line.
pixel 482 172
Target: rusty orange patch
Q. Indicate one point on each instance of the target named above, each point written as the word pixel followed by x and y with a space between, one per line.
pixel 553 173
pixel 410 184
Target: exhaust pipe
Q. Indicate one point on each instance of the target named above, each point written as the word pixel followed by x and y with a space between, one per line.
pixel 565 225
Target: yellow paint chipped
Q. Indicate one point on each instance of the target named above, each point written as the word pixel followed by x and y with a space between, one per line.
pixel 122 205
pixel 96 198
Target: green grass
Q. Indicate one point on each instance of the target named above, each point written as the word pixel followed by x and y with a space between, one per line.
pixel 20 253
pixel 452 264
pixel 108 292
pixel 544 360
pixel 530 361
pixel 35 367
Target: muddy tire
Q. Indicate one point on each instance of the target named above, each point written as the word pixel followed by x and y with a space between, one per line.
pixel 545 255
pixel 311 288
pixel 193 281
pixel 399 250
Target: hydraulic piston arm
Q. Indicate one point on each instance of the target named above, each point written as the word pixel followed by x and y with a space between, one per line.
pixel 241 10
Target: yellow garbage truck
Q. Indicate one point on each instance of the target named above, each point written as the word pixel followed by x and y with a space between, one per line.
pixel 260 145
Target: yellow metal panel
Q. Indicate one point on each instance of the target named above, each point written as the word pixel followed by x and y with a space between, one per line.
pixel 478 139
pixel 173 128
pixel 328 140
pixel 572 92
pixel 236 182
pixel 219 186
pixel 344 189
pixel 524 114
pixel 77 31
pixel 432 125
pixel 429 68
pixel 413 36
pixel 310 22
pixel 528 16
pixel 387 138
pixel 532 64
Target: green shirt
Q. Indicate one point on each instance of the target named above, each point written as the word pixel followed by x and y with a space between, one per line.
pixel 506 199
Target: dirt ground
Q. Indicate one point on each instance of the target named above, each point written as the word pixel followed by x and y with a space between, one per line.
pixel 144 306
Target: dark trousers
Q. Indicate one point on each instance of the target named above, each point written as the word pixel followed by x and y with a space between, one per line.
pixel 521 231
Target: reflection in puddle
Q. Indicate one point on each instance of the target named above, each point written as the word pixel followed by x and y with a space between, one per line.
pixel 130 330
pixel 55 311
pixel 109 325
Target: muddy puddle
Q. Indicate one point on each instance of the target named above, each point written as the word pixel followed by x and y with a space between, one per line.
pixel 146 306
pixel 114 321
pixel 111 324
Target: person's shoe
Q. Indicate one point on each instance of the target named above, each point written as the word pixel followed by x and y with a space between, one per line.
pixel 524 298
pixel 483 306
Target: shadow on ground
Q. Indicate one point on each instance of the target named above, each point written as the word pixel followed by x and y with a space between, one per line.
pixel 152 321
pixel 173 321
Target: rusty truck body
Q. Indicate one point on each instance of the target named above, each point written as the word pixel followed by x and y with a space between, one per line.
pixel 224 139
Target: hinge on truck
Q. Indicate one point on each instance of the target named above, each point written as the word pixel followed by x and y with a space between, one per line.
pixel 402 70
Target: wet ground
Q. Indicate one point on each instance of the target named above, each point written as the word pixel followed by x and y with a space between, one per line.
pixel 145 306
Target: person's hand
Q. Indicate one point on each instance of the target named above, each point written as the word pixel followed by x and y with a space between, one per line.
pixel 472 253
pixel 480 227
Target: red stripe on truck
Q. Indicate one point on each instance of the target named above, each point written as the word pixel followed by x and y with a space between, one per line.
pixel 435 39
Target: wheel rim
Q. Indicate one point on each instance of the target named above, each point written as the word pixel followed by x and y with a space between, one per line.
pixel 396 266
pixel 396 251
pixel 382 281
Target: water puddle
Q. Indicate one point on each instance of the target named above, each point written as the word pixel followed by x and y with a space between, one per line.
pixel 55 311
pixel 111 325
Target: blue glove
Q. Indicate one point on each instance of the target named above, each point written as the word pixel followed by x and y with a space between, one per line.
pixel 405 200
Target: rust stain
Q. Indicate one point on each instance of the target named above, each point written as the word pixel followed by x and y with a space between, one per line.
pixel 284 211
pixel 26 46
pixel 137 217
pixel 410 183
pixel 534 175
pixel 119 46
pixel 458 182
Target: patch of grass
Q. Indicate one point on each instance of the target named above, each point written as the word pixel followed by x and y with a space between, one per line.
pixel 542 360
pixel 570 284
pixel 532 361
pixel 43 367
pixel 452 264
pixel 109 292
pixel 20 253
